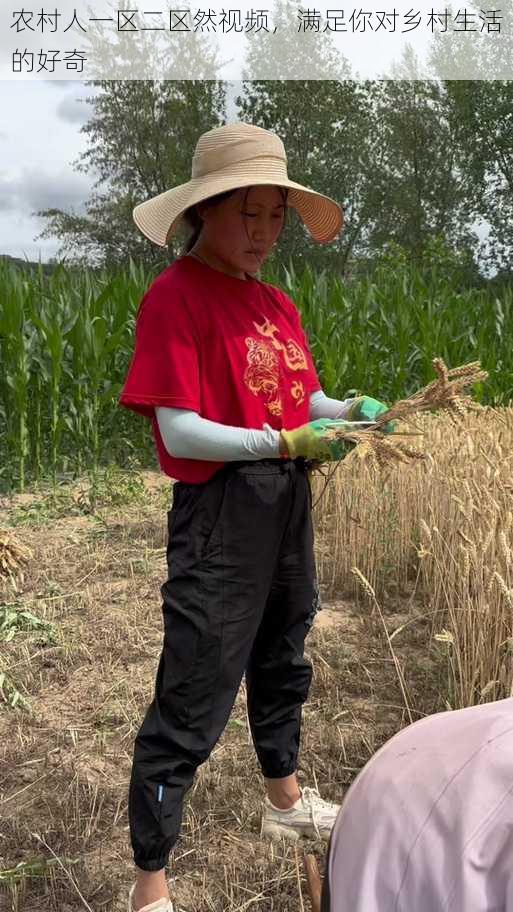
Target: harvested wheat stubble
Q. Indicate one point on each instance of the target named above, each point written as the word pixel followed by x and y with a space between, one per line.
pixel 446 392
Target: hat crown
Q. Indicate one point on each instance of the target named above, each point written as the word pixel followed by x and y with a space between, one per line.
pixel 233 143
pixel 229 157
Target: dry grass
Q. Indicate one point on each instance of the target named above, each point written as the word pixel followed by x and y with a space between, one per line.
pixel 65 760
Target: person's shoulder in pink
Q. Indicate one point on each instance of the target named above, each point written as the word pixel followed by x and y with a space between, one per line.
pixel 428 823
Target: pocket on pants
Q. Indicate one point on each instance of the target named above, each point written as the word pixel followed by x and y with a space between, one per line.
pixel 170 804
pixel 184 498
pixel 316 601
pixel 183 523
pixel 213 510
pixel 195 519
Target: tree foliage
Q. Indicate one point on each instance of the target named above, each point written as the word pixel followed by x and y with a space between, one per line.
pixel 411 160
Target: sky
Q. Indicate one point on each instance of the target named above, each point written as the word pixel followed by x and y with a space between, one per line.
pixel 40 139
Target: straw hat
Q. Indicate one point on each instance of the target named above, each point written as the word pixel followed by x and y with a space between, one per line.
pixel 225 158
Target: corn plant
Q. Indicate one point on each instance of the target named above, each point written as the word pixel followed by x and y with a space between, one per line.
pixel 67 337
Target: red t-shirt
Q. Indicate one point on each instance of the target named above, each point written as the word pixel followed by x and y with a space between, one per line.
pixel 231 349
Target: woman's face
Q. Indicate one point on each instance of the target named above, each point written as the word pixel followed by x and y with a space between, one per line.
pixel 231 230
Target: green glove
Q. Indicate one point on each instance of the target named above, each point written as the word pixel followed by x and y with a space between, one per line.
pixel 366 409
pixel 310 440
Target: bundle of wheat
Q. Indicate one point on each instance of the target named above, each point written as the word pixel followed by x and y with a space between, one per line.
pixel 446 393
pixel 12 554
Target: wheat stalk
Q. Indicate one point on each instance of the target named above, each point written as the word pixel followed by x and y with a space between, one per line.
pixel 446 392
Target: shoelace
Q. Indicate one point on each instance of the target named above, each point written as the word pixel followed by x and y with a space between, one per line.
pixel 314 801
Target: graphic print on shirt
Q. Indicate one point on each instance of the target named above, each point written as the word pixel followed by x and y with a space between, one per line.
pixel 262 374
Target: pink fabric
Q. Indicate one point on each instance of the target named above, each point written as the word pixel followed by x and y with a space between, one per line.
pixel 427 825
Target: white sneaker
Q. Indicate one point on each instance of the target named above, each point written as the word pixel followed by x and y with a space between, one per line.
pixel 160 905
pixel 310 816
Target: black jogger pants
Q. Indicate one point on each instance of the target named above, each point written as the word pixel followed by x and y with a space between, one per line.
pixel 241 596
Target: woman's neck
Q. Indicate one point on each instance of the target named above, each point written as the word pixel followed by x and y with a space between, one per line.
pixel 215 263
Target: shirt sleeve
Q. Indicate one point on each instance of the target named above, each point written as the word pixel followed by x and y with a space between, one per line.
pixel 165 364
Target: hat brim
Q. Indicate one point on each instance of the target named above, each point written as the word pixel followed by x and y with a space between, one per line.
pixel 159 217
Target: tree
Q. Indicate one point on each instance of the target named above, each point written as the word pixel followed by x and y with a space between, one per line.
pixel 384 149
pixel 477 69
pixel 419 193
pixel 321 121
pixel 142 136
pixel 482 116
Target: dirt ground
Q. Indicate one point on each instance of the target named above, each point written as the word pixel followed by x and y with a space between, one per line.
pixel 93 573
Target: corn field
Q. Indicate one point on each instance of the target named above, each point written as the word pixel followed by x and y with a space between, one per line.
pixel 66 340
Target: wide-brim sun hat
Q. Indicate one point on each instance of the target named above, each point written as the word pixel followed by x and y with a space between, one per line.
pixel 226 158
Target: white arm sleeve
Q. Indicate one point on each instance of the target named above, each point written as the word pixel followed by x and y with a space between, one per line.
pixel 187 435
pixel 321 406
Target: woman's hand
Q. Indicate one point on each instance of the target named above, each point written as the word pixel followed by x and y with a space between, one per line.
pixel 364 408
pixel 313 442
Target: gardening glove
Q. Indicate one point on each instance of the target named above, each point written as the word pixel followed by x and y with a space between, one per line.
pixel 366 409
pixel 310 440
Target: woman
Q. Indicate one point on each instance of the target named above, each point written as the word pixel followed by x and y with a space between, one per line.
pixel 428 823
pixel 222 367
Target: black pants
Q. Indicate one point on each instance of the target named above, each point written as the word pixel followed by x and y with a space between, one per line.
pixel 241 596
